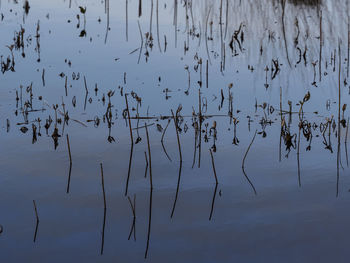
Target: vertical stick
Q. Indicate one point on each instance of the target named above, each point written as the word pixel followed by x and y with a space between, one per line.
pixel 107 25
pixel 86 93
pixel 65 87
pixel 298 156
pixel 126 20
pixel 280 149
pixel 157 17
pixel 132 145
pixel 177 135
pixel 36 211
pixel 213 164
pixel 146 168
pixel 151 193
pixel 283 2
pixel 180 168
pixel 200 127
pixel 162 141
pixel 206 35
pixel 213 202
pixel 151 19
pixel 37 221
pixel 339 130
pixel 70 164
pixel 348 47
pixel 104 210
pixel 149 157
pixel 140 8
pixel 175 21
pixel 226 24
pixel 346 142
pixel 43 77
pixel 321 39
pixel 133 209
pixel 221 34
pixel 245 156
pixel 206 75
pixel 85 85
pixel 103 188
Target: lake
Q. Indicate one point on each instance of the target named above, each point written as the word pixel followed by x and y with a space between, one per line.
pixel 174 131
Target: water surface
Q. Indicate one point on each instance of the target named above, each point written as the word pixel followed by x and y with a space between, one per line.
pixel 262 86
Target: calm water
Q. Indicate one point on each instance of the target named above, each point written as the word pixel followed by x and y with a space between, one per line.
pixel 260 85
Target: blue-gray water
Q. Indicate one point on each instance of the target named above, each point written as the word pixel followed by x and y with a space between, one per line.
pixel 261 57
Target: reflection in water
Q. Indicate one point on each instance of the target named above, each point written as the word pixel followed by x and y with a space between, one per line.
pixel 245 156
pixel 339 123
pixel 133 226
pixel 37 221
pixel 175 118
pixel 70 164
pixel 229 67
pixel 150 193
pixel 216 185
pixel 104 211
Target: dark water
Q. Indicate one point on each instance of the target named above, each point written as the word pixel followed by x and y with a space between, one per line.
pixel 260 85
